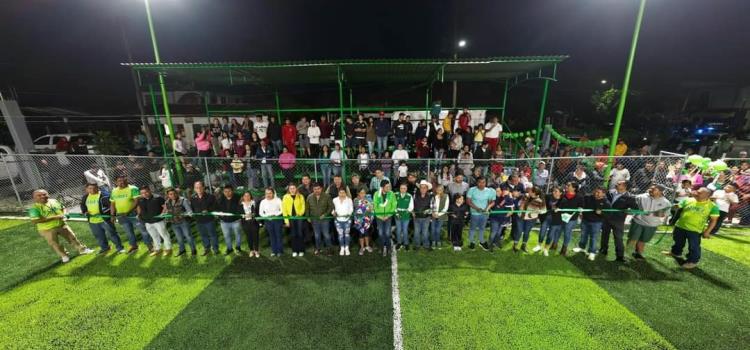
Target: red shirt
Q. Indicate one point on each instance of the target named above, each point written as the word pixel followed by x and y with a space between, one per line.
pixel 325 129
pixel 463 121
pixel 288 133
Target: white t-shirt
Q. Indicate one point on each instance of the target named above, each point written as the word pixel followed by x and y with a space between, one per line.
pixel 493 131
pixel 261 127
pixel 313 133
pixel 226 143
pixel 270 207
pixel 619 175
pixel 343 208
pixel 178 146
pixel 724 200
pixel 400 154
pixel 403 170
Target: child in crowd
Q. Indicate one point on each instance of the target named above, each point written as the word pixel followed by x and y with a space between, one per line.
pixel 403 171
pixel 459 211
pixel 724 199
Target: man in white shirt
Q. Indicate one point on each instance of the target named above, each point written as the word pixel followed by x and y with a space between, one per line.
pixel 643 226
pixel 724 198
pixel 541 175
pixel 261 125
pixel 619 173
pixel 96 175
pixel 400 154
pixel 492 132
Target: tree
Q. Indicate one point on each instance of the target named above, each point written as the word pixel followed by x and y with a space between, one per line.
pixel 605 102
pixel 106 143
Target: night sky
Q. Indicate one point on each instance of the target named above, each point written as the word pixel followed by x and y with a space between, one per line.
pixel 67 53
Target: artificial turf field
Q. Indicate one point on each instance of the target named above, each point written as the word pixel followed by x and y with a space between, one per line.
pixel 469 300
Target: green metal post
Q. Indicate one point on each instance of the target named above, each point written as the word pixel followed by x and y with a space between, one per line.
pixel 163 88
pixel 205 105
pixel 624 91
pixel 341 116
pixel 427 104
pixel 278 108
pixel 157 120
pixel 351 102
pixel 505 102
pixel 542 107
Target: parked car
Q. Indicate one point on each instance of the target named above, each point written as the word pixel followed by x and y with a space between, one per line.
pixel 8 167
pixel 48 143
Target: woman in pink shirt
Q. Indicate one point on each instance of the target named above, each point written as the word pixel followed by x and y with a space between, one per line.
pixel 203 143
pixel 286 162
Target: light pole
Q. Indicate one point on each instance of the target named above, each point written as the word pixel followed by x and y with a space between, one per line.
pixel 624 91
pixel 162 86
pixel 461 44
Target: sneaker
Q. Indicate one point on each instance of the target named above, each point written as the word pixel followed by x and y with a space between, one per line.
pixel 155 253
pixel 537 248
pixel 316 252
pixel 229 252
pixel 460 249
pixel 689 266
pixel 257 255
pixel 122 251
pixel 515 248
pixel 455 249
pixel 564 250
pixel 132 250
pixel 592 256
pixel 620 259
pixel 577 250
pixel 492 248
pixel 87 251
pixel 399 246
pixel 545 252
pixel 180 253
pixel 341 251
pixel 361 252
pixel 523 248
pixel 301 254
pixel 206 252
pixel 471 245
pixel 238 251
pixel 638 256
pixel 385 251
pixel 407 248
pixel 194 252
pixel 294 254
pixel 347 252
pixel 484 246
pixel 669 253
pixel 369 249
pixel 103 252
pixel 167 252
pixel 273 255
pixel 603 252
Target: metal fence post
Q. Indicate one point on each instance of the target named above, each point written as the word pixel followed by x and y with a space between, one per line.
pixel 315 167
pixel 550 177
pixel 207 173
pixel 12 181
pixel 428 170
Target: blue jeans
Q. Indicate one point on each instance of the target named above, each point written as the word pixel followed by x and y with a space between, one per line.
pixel 129 223
pixel 590 233
pixel 478 223
pixel 568 231
pixel 210 238
pixel 384 231
pixel 276 146
pixel 266 172
pixel 343 228
pixel 402 231
pixel 422 232
pixel 103 231
pixel 554 234
pixel 400 140
pixel 496 231
pixel 273 229
pixel 694 244
pixel 325 171
pixel 229 228
pixel 437 226
pixel 523 227
pixel 182 233
pixel 544 230
pixel 321 227
pixel 252 177
pixel 336 170
pixel 382 143
pixel 370 147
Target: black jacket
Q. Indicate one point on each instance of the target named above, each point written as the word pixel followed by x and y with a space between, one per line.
pixel 626 201
pixel 421 204
pixel 231 205
pixel 200 205
pixel 576 202
pixel 273 131
pixel 104 205
pixel 150 208
pixel 589 202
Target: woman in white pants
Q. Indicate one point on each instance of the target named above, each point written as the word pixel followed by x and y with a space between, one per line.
pixel 343 209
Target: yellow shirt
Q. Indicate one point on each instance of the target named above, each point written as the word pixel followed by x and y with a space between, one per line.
pixel 92 207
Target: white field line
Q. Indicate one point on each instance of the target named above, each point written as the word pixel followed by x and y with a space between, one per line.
pixel 398 340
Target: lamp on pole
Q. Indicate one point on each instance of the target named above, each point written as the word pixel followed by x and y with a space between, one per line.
pixel 460 45
pixel 624 91
pixel 163 88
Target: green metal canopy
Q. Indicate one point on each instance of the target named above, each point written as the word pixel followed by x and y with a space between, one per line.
pixel 352 72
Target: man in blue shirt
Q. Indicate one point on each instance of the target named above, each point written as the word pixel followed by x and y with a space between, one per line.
pixel 480 199
pixel 382 128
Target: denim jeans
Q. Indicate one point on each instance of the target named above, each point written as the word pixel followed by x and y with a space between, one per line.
pixel 210 238
pixel 182 233
pixel 400 141
pixel 321 228
pixel 130 223
pixel 343 228
pixel 568 231
pixel 402 231
pixel 694 244
pixel 437 226
pixel 102 232
pixel 544 230
pixel 384 231
pixel 422 232
pixel 590 233
pixel 336 170
pixel 229 228
pixel 478 223
pixel 554 234
pixel 273 229
pixel 370 147
pixel 382 144
pixel 276 146
pixel 252 177
pixel 266 172
pixel 496 231
pixel 523 228
pixel 325 171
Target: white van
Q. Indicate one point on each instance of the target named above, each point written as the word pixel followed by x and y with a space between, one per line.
pixel 48 142
pixel 8 167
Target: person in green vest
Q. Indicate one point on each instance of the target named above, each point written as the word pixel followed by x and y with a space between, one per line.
pixel 385 206
pixel 404 208
pixel 49 217
pixel 96 206
pixel 122 205
pixel 691 226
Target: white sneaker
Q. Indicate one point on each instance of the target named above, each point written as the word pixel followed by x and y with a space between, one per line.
pixel 346 251
pixel 341 251
pixel 301 254
pixel 369 249
pixel 577 250
pixel 537 248
pixel 459 249
pixel 546 252
pixel 122 251
pixel 294 255
pixel 455 249
pixel 87 251
pixel 592 256
pixel 65 259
